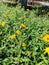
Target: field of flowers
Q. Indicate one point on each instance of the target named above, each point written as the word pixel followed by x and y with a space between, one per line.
pixel 24 37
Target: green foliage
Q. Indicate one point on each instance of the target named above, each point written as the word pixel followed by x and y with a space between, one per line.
pixel 43 10
pixel 11 50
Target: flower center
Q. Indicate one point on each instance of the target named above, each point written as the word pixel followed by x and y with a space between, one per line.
pixel 48 38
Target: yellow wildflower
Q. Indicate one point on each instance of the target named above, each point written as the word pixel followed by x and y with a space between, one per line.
pixel 24 26
pixel 42 10
pixel 8 11
pixel 16 59
pixel 46 38
pixel 2 23
pixel 20 39
pixel 24 44
pixel 28 10
pixel 24 16
pixel 47 50
pixel 28 53
pixel 12 36
pixel 18 32
pixel 19 18
pixel 48 13
pixel 41 35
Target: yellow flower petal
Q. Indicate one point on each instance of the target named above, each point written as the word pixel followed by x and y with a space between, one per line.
pixel 28 10
pixel 16 59
pixel 46 38
pixel 2 23
pixel 12 36
pixel 23 44
pixel 19 18
pixel 43 10
pixel 48 13
pixel 28 53
pixel 41 35
pixel 18 32
pixel 24 26
pixel 47 50
pixel 8 11
pixel 25 16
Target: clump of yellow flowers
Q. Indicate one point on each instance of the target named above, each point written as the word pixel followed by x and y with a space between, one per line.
pixel 18 32
pixel 24 26
pixel 24 44
pixel 12 36
pixel 47 50
pixel 28 53
pixel 3 23
pixel 46 38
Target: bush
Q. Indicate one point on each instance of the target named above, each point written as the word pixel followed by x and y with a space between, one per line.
pixel 24 37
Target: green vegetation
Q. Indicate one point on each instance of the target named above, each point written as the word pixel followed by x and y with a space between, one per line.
pixel 24 37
